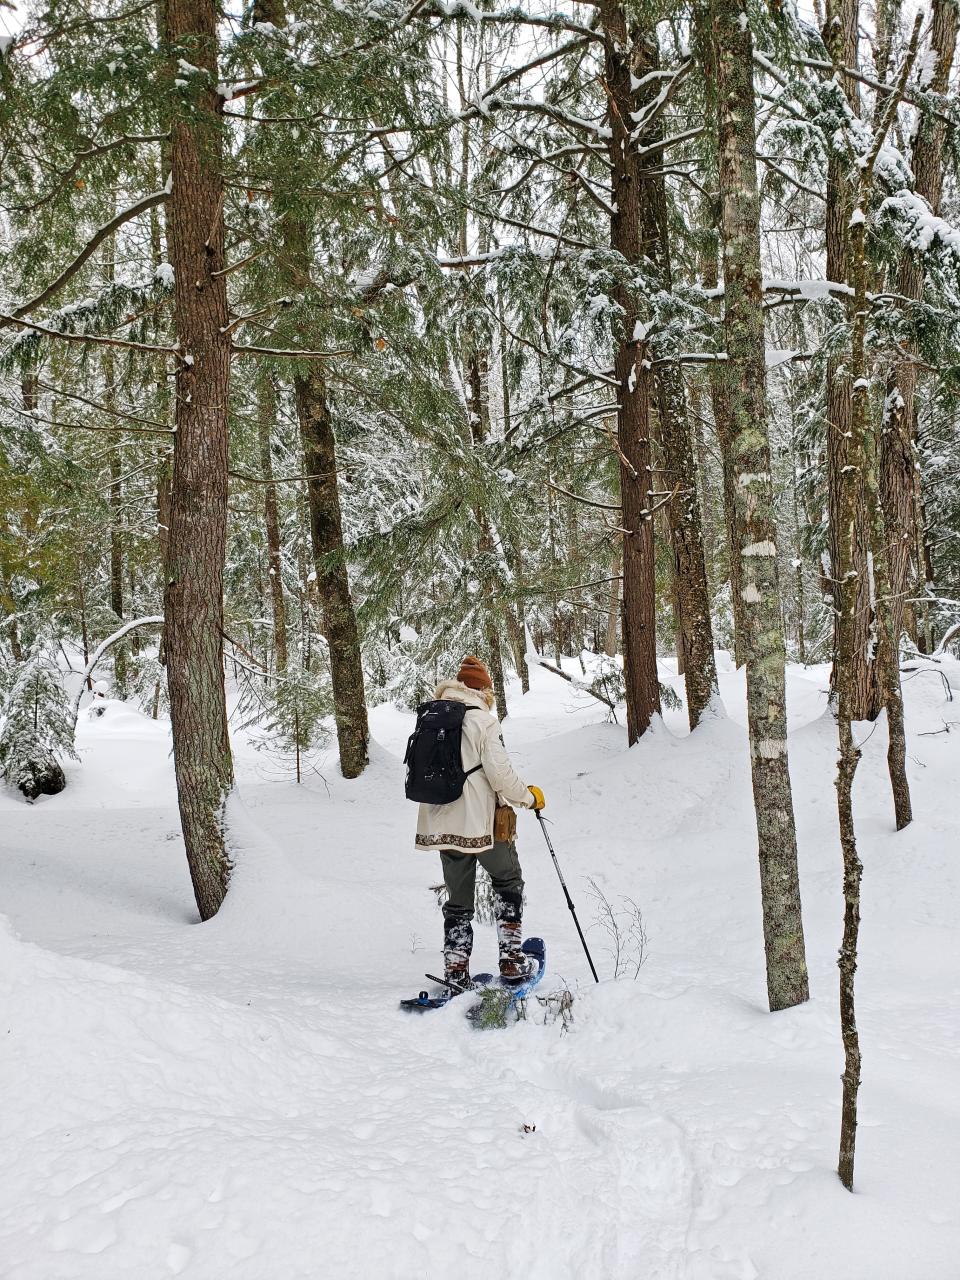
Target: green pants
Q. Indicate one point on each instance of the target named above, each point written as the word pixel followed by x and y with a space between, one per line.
pixel 460 876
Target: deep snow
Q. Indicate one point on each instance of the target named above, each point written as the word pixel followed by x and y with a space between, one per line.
pixel 243 1099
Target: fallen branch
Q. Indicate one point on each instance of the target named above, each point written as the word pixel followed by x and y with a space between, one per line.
pixel 534 657
pixel 155 620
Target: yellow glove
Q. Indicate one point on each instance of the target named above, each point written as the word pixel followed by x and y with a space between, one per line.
pixel 538 800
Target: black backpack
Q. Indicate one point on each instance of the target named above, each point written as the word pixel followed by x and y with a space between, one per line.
pixel 435 772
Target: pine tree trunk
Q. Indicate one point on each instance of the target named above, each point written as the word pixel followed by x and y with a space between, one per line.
pixel 193 602
pixel 695 651
pixel 266 414
pixel 901 491
pixel 634 391
pixel 333 583
pixel 745 369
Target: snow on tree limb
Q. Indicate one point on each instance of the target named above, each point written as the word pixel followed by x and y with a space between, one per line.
pixel 89 249
pixel 154 620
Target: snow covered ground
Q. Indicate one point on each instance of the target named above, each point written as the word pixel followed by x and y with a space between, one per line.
pixel 243 1099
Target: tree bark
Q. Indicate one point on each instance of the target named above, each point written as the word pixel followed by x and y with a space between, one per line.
pixel 745 372
pixel 479 410
pixel 333 583
pixel 695 650
pixel 193 601
pixel 901 491
pixel 861 488
pixel 840 37
pixel 266 414
pixel 613 608
pixel 634 390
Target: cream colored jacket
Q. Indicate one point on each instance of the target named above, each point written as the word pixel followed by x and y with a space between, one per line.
pixel 466 825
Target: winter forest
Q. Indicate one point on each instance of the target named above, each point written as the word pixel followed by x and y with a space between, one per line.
pixel 618 344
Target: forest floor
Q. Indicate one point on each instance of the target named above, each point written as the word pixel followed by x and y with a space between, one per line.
pixel 244 1099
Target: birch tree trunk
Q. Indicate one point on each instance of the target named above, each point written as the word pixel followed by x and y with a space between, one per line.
pixel 745 371
pixel 634 391
pixel 193 600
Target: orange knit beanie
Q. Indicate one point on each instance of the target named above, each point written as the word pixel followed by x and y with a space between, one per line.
pixel 474 674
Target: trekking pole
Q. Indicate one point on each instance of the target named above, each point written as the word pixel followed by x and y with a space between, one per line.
pixel 566 894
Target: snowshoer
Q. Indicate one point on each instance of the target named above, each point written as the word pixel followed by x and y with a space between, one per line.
pixel 479 827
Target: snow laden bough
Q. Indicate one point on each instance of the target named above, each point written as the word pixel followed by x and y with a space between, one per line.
pixel 37 728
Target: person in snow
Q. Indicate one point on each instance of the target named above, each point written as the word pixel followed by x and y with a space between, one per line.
pixel 479 827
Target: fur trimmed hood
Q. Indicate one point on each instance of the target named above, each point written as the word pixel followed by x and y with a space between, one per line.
pixel 454 691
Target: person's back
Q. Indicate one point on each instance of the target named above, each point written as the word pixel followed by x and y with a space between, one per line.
pixel 463 832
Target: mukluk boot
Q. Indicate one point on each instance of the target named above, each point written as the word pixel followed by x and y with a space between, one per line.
pixel 515 965
pixel 457 949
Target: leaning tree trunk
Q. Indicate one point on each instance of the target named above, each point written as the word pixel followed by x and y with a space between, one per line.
pixel 333 583
pixel 900 474
pixel 634 389
pixel 193 601
pixel 745 368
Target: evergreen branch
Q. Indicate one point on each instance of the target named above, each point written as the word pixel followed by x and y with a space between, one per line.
pixel 571 46
pixel 235 323
pixel 652 112
pixel 44 40
pixel 243 262
pixel 890 107
pixel 86 253
pixel 34 416
pixel 94 339
pixel 103 148
pixel 915 99
pixel 279 354
pixel 673 141
pixel 102 408
pixel 587 502
pixel 775 168
pixel 313 475
pixel 510 17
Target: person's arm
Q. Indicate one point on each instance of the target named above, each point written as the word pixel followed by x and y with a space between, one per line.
pixel 500 772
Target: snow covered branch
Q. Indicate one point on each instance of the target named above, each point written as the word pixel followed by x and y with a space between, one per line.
pixel 533 658
pixel 86 253
pixel 153 620
pixel 95 339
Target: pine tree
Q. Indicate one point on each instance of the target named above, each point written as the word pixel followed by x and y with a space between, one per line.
pixel 37 730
